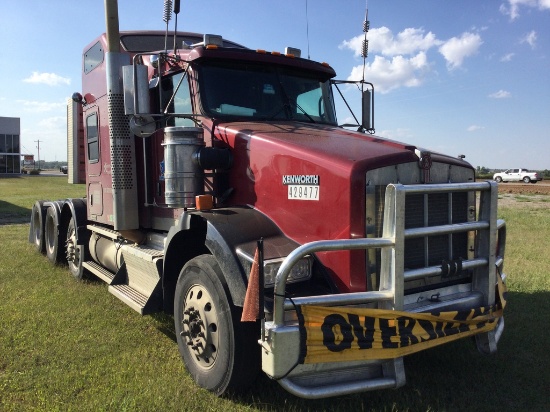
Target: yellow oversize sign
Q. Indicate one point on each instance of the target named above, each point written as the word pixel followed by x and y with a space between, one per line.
pixel 335 334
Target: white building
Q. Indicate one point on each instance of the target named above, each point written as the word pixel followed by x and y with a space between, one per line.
pixel 10 145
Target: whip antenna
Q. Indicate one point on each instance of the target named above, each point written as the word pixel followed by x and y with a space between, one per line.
pixel 166 17
pixel 307 32
pixel 365 45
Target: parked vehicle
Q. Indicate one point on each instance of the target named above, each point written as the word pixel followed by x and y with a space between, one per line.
pixel 517 175
pixel 222 190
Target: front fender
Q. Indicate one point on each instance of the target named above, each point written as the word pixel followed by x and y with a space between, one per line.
pixel 221 232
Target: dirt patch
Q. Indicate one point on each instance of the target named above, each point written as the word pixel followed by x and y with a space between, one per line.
pixel 524 189
pixel 520 194
pixel 517 195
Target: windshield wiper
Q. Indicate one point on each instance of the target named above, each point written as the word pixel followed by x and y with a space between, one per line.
pixel 287 106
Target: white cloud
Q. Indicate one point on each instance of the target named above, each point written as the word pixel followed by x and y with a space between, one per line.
pixel 507 57
pixel 52 123
pixel 474 128
pixel 390 74
pixel 530 38
pixel 501 94
pixel 513 6
pixel 399 134
pixel 33 106
pixel 50 79
pixel 381 40
pixel 456 49
pixel 401 59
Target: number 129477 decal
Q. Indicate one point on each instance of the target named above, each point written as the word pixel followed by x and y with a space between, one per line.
pixel 303 192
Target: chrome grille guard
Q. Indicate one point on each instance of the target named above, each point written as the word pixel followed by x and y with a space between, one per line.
pixel 280 340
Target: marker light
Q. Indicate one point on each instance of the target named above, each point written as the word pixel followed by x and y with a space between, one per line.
pixel 204 202
pixel 213 39
pixel 293 52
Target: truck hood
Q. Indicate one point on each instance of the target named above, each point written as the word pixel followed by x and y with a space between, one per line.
pixel 337 145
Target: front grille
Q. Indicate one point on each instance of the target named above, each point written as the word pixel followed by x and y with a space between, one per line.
pixel 421 210
pixel 434 210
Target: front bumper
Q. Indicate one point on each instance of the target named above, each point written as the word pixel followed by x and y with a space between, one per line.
pixel 282 339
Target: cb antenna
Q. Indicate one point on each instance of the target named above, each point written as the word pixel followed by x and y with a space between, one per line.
pixel 166 17
pixel 365 45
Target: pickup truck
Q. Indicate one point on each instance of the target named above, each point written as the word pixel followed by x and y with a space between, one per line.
pixel 517 175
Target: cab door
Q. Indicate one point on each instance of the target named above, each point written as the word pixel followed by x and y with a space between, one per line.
pixel 93 160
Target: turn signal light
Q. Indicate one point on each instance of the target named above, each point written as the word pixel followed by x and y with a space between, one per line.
pixel 204 202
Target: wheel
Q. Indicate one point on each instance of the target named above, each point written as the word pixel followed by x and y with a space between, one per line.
pixel 54 237
pixel 526 179
pixel 76 254
pixel 220 352
pixel 37 226
pixel 498 179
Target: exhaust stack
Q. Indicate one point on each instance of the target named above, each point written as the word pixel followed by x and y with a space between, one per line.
pixel 123 165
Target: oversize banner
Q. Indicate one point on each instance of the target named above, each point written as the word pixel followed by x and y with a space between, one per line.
pixel 336 334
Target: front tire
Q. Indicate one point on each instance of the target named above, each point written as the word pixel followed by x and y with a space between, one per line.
pixel 220 352
pixel 498 179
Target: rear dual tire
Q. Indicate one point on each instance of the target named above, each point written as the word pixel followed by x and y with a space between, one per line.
pixel 38 217
pixel 75 254
pixel 54 237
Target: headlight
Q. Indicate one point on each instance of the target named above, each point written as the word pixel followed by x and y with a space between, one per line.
pixel 301 271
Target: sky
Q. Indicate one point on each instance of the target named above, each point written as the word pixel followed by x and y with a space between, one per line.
pixel 462 77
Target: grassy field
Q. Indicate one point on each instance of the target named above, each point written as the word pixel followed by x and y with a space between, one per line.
pixel 68 345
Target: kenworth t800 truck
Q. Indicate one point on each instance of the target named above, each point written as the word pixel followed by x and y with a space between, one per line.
pixel 221 188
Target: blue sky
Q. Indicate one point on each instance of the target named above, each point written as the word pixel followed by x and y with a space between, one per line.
pixel 459 77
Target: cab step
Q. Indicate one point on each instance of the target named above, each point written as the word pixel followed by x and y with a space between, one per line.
pixel 133 298
pixel 137 282
pixel 102 273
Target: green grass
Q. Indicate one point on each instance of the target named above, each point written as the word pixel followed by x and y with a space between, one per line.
pixel 71 346
pixel 18 194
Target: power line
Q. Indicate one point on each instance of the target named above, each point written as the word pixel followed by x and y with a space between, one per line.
pixel 38 141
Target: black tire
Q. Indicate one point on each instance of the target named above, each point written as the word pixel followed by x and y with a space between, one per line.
pixel 220 352
pixel 498 179
pixel 54 237
pixel 37 226
pixel 526 179
pixel 76 254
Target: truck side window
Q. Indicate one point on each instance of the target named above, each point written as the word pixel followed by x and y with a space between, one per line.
pixel 93 57
pixel 92 140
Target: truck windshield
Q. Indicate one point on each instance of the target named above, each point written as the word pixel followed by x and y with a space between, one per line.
pixel 246 91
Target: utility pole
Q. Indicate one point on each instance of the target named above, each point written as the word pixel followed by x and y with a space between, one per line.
pixel 38 141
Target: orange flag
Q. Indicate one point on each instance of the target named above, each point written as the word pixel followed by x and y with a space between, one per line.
pixel 251 308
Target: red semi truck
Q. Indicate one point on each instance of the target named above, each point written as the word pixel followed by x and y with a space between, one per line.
pixel 211 163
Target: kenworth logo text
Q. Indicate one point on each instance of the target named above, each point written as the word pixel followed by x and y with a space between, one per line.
pixel 300 179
